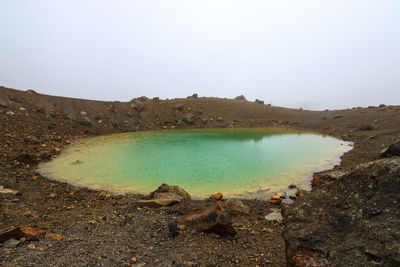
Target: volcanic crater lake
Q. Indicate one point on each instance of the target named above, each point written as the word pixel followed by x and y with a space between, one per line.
pixel 244 163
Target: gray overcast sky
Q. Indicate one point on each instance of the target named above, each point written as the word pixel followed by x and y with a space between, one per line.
pixel 313 53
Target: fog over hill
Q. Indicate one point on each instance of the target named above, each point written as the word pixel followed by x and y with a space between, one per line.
pixel 311 54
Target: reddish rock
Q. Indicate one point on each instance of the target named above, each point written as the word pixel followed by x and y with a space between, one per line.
pixel 300 192
pixel 213 219
pixel 28 233
pixel 274 201
pixel 326 177
pixel 216 196
pixel 156 203
pixel 236 207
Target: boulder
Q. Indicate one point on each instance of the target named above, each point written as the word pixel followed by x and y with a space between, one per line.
pixel 188 118
pixel 258 101
pixel 68 112
pixel 85 121
pixel 195 95
pixel 354 223
pixel 156 99
pixel 156 203
pixel 165 191
pixel 236 207
pixel 178 107
pixel 326 177
pixel 241 97
pixel 213 219
pixel 28 233
pixel 3 102
pixel 31 92
pixel 338 116
pixel 392 150
pixel 138 106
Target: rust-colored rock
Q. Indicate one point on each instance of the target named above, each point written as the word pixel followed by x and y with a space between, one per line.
pixel 300 192
pixel 216 196
pixel 274 201
pixel 165 191
pixel 28 233
pixel 156 203
pixel 213 219
pixel 326 177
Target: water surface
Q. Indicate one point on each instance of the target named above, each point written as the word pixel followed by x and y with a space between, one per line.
pixel 245 163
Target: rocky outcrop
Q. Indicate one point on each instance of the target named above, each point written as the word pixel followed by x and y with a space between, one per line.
pixel 392 150
pixel 165 191
pixel 354 222
pixel 213 219
pixel 241 97
pixel 258 101
pixel 325 177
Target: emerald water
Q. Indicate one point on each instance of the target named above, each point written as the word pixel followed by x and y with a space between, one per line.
pixel 245 163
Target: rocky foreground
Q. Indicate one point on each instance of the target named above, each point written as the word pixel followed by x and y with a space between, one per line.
pixel 350 218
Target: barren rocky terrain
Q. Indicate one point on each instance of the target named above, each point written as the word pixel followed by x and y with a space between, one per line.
pixel 346 220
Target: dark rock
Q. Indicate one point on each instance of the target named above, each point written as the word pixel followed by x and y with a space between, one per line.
pixel 11 243
pixel 40 110
pixel 366 128
pixel 326 177
pixel 382 105
pixel 213 219
pixel 85 121
pixel 156 203
pixel 353 223
pixel 138 106
pixel 69 113
pixel 3 103
pixel 292 186
pixel 28 233
pixel 178 107
pixel 236 207
pixel 156 99
pixel 195 96
pixel 189 118
pixel 392 150
pixel 338 116
pixel 241 97
pixel 165 191
pixel 258 101
pixel 300 192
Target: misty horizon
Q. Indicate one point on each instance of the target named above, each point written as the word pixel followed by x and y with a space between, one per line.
pixel 310 54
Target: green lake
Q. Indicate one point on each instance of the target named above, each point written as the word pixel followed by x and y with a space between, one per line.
pixel 245 163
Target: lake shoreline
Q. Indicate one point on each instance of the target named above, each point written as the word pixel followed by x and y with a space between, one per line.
pixel 36 127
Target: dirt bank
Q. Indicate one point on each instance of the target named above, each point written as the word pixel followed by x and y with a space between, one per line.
pixel 102 229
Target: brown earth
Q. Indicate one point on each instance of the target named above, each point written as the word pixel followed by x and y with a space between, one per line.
pixel 99 228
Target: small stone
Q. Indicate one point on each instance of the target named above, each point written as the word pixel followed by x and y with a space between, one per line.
pixel 300 192
pixel 83 113
pixel 292 186
pixel 31 246
pixel 53 195
pixel 56 236
pixel 220 119
pixel 216 196
pixel 275 201
pixel 258 101
pixel 276 197
pixel 11 243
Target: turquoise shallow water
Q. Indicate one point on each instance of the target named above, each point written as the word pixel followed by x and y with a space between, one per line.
pixel 237 162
